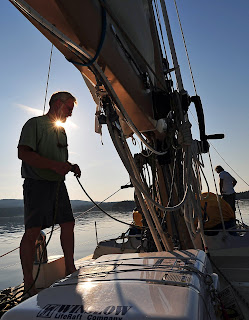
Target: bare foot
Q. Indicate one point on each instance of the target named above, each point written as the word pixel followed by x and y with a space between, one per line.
pixel 68 272
pixel 30 289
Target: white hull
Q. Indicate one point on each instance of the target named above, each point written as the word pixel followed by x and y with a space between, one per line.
pixel 159 285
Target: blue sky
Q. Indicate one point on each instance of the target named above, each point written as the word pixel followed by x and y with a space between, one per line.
pixel 216 33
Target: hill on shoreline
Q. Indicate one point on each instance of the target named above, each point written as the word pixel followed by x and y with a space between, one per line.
pixel 14 207
pixel 242 195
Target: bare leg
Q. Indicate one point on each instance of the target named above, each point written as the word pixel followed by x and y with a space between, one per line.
pixel 67 244
pixel 27 252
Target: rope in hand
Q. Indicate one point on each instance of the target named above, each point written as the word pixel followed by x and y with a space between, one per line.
pixel 128 224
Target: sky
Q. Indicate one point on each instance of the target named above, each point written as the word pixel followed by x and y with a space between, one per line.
pixel 216 34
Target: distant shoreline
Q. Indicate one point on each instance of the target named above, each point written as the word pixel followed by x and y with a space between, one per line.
pixel 14 207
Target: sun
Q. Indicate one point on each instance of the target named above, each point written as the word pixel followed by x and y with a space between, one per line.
pixel 67 125
pixel 58 123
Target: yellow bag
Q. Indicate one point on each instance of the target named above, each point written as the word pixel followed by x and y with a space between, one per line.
pixel 210 210
pixel 137 218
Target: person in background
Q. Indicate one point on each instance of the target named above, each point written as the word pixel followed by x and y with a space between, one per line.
pixel 227 184
pixel 43 150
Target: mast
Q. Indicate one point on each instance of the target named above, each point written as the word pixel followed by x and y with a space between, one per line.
pixel 172 47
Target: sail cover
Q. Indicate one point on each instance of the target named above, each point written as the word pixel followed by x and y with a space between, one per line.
pixel 130 54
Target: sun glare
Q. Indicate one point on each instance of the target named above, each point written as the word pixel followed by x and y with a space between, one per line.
pixel 58 123
pixel 66 125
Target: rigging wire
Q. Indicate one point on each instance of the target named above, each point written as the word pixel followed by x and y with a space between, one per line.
pixel 160 27
pixel 229 165
pixel 46 92
pixel 157 10
pixel 185 46
pixel 237 202
pixel 205 178
pixel 5 254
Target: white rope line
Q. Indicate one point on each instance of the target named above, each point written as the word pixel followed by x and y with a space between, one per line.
pixel 49 67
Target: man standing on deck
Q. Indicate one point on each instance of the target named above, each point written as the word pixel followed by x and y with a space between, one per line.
pixel 227 184
pixel 43 150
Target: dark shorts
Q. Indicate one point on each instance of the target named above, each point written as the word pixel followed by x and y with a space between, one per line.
pixel 41 207
pixel 230 199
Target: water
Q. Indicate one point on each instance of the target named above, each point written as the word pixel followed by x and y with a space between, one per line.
pixel 11 230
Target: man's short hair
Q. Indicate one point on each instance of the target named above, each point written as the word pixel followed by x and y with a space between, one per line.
pixel 219 168
pixel 63 96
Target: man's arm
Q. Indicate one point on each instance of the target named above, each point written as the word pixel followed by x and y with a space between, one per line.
pixel 221 186
pixel 33 159
pixel 75 169
pixel 234 182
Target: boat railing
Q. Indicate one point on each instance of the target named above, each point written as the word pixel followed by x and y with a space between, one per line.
pixel 235 231
pixel 227 230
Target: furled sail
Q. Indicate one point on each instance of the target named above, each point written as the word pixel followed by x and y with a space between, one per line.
pixel 129 24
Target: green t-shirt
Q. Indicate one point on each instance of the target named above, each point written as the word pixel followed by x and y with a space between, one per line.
pixel 49 141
